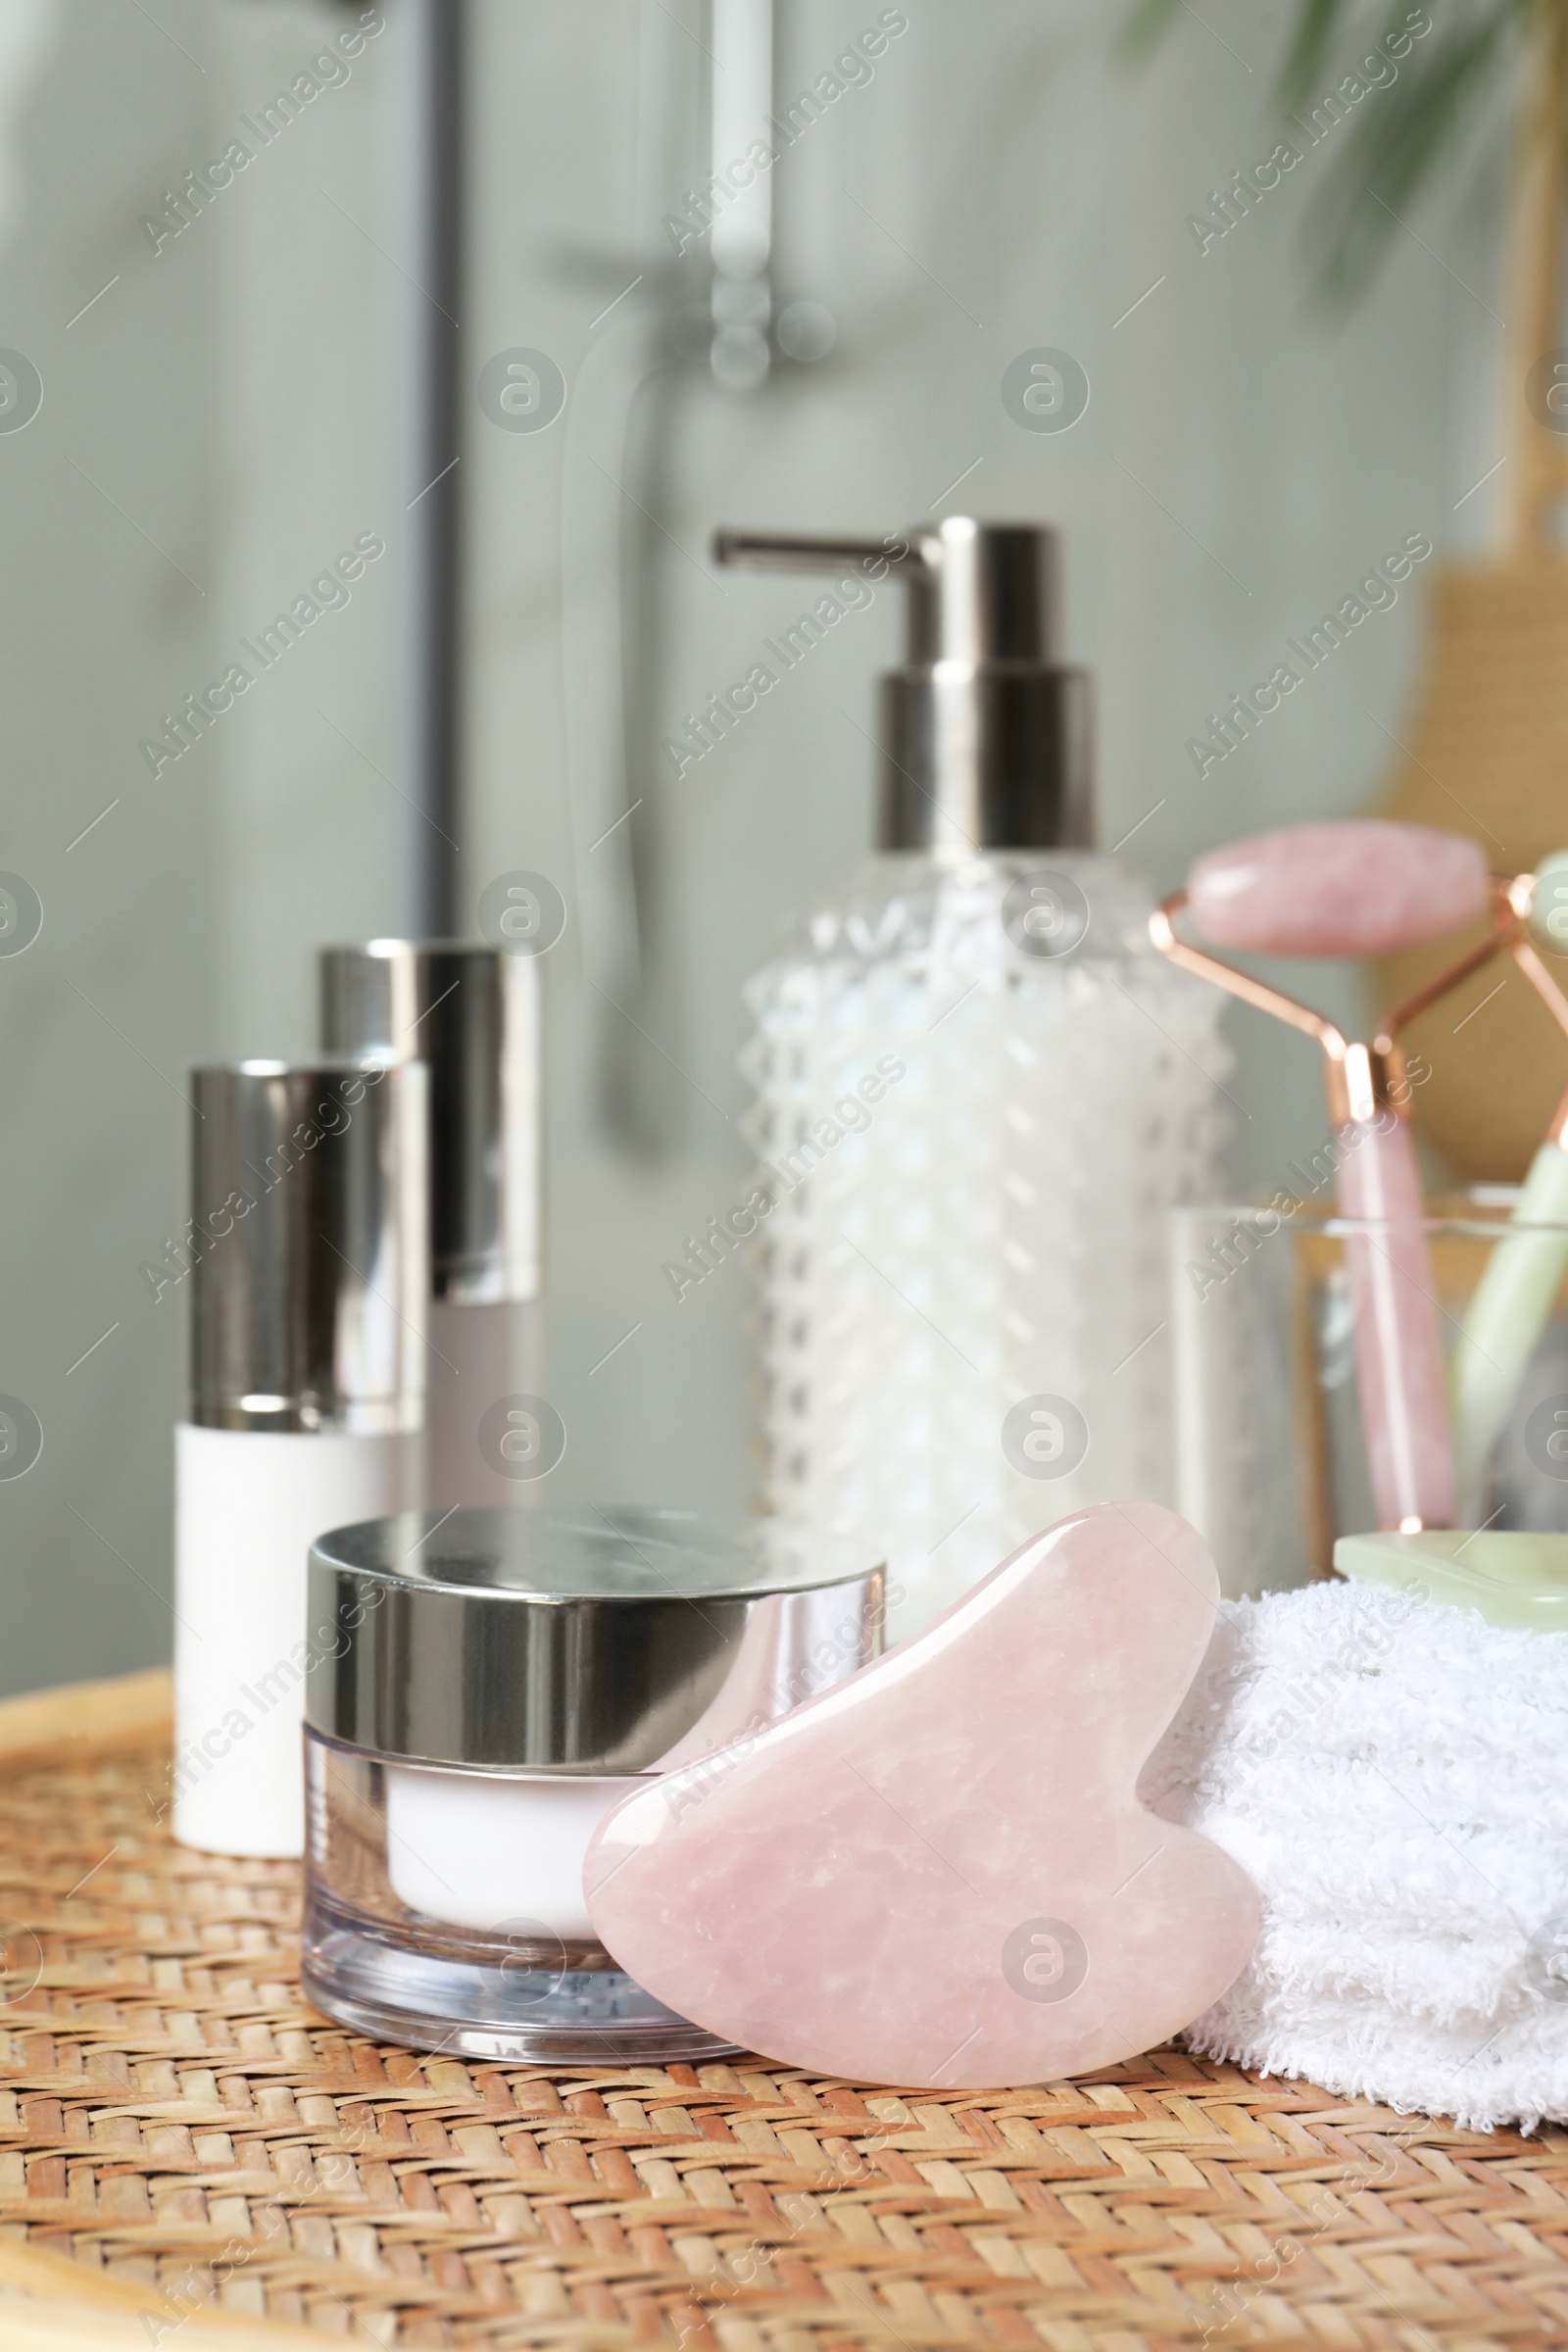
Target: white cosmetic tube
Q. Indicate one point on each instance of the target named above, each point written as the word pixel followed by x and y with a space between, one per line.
pixel 308 1285
pixel 249 1506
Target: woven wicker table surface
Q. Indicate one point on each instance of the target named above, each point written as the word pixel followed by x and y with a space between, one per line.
pixel 191 2155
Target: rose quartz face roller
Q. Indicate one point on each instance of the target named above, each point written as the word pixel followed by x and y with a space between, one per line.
pixel 940 1875
pixel 1362 888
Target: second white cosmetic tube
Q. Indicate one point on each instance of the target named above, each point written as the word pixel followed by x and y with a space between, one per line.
pixel 474 1013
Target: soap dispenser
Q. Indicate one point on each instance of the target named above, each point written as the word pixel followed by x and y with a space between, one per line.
pixel 979 1093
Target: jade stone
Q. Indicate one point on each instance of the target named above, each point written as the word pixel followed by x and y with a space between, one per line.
pixel 1513 1579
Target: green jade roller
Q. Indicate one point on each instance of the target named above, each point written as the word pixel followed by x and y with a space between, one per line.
pixel 1514 1300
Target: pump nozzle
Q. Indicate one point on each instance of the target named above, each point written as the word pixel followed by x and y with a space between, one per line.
pixel 766 551
pixel 986 736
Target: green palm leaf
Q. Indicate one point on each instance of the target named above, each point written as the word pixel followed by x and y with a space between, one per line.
pixel 1307 58
pixel 1146 27
pixel 1395 152
pixel 1404 133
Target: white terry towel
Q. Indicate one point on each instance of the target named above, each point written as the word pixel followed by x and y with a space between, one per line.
pixel 1393 1773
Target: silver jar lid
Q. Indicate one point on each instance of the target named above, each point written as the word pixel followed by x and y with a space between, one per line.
pixel 612 1640
pixel 309 1241
pixel 474 1013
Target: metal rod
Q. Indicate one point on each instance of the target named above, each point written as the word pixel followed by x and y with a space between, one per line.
pixel 437 511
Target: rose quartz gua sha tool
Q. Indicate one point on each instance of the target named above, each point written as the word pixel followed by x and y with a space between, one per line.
pixel 940 1875
pixel 1362 888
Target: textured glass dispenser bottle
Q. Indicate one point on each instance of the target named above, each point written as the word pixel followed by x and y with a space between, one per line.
pixel 979 1092
pixel 474 1013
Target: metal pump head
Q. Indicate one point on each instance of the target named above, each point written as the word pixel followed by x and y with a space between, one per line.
pixel 986 738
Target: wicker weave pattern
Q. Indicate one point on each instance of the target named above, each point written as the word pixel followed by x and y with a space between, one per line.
pixel 173 2118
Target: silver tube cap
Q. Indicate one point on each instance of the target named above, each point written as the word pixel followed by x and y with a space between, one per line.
pixel 311 1271
pixel 612 1640
pixel 474 1014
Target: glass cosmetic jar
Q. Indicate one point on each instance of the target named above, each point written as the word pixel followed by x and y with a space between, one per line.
pixel 482 1690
